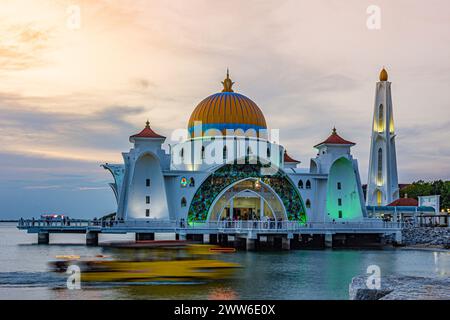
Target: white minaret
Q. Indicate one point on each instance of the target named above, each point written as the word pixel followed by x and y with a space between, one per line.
pixel 382 184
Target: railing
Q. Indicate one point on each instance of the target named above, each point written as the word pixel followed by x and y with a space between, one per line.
pixel 24 223
pixel 256 225
pixel 296 226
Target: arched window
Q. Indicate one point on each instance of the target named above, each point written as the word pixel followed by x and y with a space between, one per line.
pixel 225 153
pixel 268 152
pixel 308 184
pixel 300 184
pixel 182 153
pixel 308 203
pixel 183 182
pixel 183 202
pixel 379 197
pixel 380 118
pixel 203 152
pixel 380 166
pixel 191 182
pixel 249 151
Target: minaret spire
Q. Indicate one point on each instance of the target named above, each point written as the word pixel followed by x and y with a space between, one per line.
pixel 227 83
pixel 382 183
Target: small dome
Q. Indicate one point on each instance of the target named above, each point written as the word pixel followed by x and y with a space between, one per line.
pixel 383 75
pixel 227 110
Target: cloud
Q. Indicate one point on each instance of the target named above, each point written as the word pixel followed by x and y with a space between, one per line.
pixel 41 187
pixel 22 46
pixel 71 98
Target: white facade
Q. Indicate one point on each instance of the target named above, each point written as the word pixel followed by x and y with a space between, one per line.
pixel 330 189
pixel 212 177
pixel 382 183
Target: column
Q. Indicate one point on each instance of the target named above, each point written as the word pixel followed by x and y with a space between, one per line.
pixel 261 210
pixel 231 208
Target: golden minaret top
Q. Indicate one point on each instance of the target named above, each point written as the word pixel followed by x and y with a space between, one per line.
pixel 383 75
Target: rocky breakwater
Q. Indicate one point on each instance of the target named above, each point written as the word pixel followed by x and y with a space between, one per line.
pixel 431 236
pixel 401 288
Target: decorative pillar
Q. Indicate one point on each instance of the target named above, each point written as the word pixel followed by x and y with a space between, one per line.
pixel 231 208
pixel 261 210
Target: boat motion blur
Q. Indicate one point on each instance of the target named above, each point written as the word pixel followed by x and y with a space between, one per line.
pixel 193 267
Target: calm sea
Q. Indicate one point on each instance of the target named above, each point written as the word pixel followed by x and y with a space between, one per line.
pixel 316 274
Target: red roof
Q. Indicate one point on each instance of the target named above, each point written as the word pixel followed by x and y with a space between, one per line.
pixel 404 202
pixel 334 138
pixel 147 133
pixel 287 158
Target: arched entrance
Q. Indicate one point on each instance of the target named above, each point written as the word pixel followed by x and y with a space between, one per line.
pixel 228 175
pixel 248 199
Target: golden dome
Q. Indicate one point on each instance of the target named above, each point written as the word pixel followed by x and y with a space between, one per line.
pixel 383 75
pixel 227 110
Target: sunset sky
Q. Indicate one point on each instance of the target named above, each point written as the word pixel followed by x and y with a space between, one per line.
pixel 71 95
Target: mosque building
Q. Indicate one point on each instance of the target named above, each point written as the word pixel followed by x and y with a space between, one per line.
pixel 231 167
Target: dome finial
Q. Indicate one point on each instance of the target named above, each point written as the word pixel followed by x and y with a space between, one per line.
pixel 383 75
pixel 227 83
pixel 334 130
pixel 147 124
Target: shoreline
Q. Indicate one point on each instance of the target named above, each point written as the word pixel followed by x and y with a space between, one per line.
pixel 425 247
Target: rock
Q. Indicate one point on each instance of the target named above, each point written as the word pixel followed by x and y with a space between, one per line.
pixel 397 287
pixel 426 235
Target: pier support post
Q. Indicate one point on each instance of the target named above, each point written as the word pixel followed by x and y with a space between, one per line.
pixel 271 242
pixel 223 239
pixel 92 238
pixel 250 244
pixel 328 240
pixel 285 243
pixel 213 239
pixel 181 236
pixel 145 236
pixel 43 238
pixel 398 237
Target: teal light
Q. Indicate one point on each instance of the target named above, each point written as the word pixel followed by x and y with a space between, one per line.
pixel 344 203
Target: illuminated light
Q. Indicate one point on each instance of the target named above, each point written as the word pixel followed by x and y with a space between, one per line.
pixel 342 171
pixel 379 197
pixel 391 126
pixel 183 182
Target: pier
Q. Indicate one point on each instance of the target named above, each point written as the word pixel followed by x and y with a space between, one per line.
pixel 249 235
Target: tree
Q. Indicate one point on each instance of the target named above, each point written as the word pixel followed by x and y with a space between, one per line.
pixel 422 188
